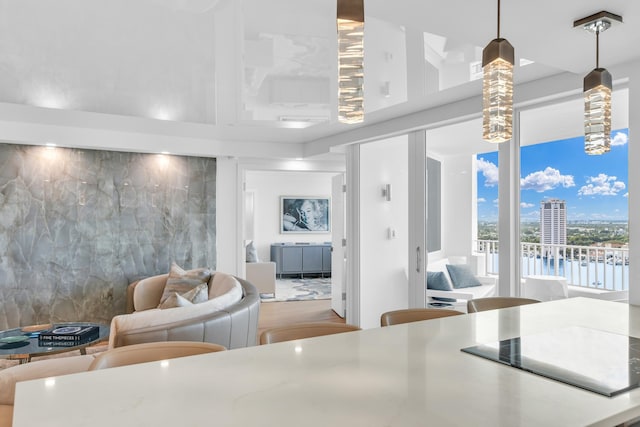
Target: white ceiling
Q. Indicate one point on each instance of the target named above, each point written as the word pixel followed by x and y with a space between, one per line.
pixel 264 71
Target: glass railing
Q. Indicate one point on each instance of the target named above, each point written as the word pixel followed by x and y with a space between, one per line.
pixel 603 268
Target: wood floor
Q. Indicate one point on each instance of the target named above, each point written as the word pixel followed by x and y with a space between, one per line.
pixel 275 314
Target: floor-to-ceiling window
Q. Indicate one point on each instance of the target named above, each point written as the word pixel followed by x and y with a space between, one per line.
pixel 573 207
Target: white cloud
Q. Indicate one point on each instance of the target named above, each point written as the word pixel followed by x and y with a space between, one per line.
pixel 619 139
pixel 626 194
pixel 489 171
pixel 532 214
pixel 597 215
pixel 481 200
pixel 526 205
pixel 495 201
pixel 547 179
pixel 602 185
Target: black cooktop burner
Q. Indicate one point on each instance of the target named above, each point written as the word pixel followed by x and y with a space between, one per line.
pixel 602 362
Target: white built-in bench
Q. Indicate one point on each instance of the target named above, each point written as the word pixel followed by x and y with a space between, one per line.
pixel 581 291
pixel 490 285
pixel 462 295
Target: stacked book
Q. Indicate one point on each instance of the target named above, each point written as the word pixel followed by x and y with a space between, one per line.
pixel 68 336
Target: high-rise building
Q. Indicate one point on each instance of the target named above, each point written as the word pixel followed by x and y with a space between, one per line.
pixel 553 222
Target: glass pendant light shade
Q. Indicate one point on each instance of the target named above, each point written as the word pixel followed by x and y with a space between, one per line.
pixel 597 112
pixel 497 91
pixel 597 89
pixel 350 22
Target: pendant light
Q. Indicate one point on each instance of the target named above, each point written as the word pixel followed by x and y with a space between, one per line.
pixel 597 90
pixel 350 23
pixel 497 89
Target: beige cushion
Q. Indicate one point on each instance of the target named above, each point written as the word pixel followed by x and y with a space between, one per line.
pixel 181 281
pixel 221 283
pixel 147 292
pixel 6 415
pixel 195 296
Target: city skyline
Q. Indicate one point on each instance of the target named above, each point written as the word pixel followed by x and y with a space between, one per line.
pixel 594 187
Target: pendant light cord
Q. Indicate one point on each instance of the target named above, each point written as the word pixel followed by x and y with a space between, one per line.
pixel 597 48
pixel 498 19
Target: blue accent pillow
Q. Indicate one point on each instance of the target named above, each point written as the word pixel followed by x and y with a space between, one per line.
pixel 438 281
pixel 462 276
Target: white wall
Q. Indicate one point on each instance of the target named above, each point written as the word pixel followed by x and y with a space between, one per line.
pixel 458 202
pixel 268 186
pixel 634 182
pixel 383 261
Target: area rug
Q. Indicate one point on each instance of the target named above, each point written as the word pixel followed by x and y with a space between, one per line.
pixel 300 290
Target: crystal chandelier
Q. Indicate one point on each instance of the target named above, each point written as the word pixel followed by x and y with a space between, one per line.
pixel 497 89
pixel 597 90
pixel 350 22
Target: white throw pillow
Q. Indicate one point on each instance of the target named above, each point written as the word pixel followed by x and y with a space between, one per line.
pixel 196 295
pixel 252 252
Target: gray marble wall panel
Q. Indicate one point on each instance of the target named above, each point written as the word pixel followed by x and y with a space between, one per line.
pixel 77 226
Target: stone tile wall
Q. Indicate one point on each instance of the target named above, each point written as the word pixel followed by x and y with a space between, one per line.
pixel 77 226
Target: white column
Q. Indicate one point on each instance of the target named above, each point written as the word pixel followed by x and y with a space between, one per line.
pixel 417 219
pixel 352 223
pixel 509 213
pixel 634 185
pixel 229 216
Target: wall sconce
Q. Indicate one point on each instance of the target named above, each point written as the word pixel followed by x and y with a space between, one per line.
pixel 350 23
pixel 497 89
pixel 386 89
pixel 597 90
pixel 386 192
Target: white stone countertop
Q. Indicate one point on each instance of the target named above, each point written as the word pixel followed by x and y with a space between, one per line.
pixel 404 375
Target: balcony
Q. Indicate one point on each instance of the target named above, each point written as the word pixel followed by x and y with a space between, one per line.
pixel 590 271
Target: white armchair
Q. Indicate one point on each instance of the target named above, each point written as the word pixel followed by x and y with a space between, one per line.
pixel 263 276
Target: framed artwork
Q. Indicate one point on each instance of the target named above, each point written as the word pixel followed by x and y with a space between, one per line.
pixel 304 214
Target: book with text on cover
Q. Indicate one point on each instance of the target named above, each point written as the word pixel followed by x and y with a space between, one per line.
pixel 70 333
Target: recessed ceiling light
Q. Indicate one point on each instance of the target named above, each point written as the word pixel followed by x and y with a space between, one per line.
pixel 163 113
pixel 47 97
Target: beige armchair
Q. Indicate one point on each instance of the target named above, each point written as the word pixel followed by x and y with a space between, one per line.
pixel 409 315
pixel 493 303
pixel 151 352
pixel 128 355
pixel 304 330
pixel 33 371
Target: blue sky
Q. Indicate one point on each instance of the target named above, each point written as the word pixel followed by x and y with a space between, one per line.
pixel 595 187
